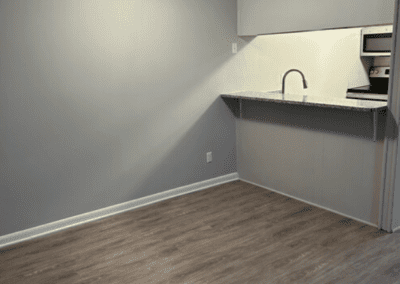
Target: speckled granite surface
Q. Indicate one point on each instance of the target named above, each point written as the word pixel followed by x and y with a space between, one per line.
pixel 276 96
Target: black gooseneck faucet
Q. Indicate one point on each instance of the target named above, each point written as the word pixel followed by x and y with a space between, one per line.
pixel 284 76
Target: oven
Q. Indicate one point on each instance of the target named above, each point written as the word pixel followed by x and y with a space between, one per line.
pixel 377 90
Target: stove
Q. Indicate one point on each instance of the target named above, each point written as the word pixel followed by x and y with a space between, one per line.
pixel 377 90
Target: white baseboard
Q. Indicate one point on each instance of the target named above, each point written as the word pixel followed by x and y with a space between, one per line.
pixel 67 223
pixel 396 230
pixel 313 204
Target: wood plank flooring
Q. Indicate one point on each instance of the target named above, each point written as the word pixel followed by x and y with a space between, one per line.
pixel 232 233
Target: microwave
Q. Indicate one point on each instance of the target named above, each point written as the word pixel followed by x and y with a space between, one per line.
pixel 376 41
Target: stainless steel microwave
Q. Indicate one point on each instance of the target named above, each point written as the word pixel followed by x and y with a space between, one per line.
pixel 376 41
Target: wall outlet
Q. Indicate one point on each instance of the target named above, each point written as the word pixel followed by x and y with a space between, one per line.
pixel 234 47
pixel 209 157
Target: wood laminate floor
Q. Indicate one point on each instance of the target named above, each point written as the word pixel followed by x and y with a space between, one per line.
pixel 232 233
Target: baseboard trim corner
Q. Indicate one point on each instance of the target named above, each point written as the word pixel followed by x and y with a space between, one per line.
pixel 313 204
pixel 60 225
pixel 396 230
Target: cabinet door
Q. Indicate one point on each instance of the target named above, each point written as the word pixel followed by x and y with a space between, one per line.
pixel 277 16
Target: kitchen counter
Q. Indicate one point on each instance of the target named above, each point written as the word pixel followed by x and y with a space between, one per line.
pixel 276 96
pixel 346 104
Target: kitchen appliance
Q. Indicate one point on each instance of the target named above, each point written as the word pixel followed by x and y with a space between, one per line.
pixel 377 90
pixel 376 41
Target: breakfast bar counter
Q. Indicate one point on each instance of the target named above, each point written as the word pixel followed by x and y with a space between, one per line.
pixel 316 101
pixel 277 96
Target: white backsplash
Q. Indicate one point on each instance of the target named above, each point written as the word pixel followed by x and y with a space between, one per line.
pixel 330 61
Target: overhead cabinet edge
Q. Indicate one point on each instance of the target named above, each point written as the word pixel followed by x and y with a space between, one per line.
pixel 257 17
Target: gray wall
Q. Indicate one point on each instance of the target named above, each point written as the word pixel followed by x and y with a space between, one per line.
pixel 102 102
pixel 320 155
pixel 396 199
pixel 275 16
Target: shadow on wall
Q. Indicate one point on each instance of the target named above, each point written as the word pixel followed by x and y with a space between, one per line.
pixel 214 131
pixel 339 121
pixel 247 39
pixel 392 129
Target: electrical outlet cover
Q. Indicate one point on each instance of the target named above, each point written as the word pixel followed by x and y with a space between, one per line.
pixel 234 47
pixel 209 157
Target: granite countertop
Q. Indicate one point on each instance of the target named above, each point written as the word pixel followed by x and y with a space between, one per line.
pixel 276 96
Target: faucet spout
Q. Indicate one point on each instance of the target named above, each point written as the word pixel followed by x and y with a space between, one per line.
pixel 284 77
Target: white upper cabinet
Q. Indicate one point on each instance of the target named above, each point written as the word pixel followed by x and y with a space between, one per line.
pixel 278 16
